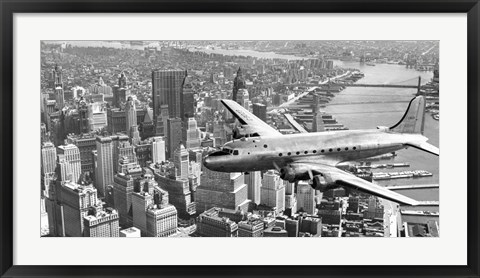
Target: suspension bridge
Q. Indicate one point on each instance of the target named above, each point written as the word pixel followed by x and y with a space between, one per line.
pixel 413 83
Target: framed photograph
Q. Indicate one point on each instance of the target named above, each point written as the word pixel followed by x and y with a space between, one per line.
pixel 246 138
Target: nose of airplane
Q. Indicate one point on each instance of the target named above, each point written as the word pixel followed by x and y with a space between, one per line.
pixel 206 161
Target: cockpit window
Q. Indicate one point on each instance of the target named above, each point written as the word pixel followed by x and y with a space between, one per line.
pixel 235 152
pixel 220 153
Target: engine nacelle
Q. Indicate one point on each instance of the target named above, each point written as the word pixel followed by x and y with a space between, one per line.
pixel 294 173
pixel 297 172
pixel 323 182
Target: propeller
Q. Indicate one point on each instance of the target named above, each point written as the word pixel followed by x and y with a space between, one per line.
pixel 310 174
pixel 276 166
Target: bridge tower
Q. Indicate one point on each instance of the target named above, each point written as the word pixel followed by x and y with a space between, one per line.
pixel 419 84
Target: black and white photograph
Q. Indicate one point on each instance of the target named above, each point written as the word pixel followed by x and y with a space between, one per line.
pixel 239 138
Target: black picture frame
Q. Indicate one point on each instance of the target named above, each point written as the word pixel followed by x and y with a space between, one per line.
pixel 9 7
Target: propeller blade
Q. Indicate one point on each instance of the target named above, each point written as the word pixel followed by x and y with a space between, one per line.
pixel 310 174
pixel 276 166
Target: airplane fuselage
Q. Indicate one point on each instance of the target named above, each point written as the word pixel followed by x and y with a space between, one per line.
pixel 264 153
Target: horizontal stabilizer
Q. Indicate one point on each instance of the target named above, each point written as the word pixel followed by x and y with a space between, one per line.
pixel 424 146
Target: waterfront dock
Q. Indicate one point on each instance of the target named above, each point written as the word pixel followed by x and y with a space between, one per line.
pixel 412 186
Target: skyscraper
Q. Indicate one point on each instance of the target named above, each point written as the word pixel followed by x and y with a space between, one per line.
pixel 180 160
pixel 167 90
pixel 243 98
pixel 131 121
pixel 179 193
pixel 71 154
pixel 85 143
pixel 187 101
pixel 76 202
pixel 161 121
pixel 193 135
pixel 273 191
pixel 104 171
pixel 250 228
pixel 305 197
pixel 97 116
pixel 158 149
pixel 238 83
pixel 59 98
pixel 219 132
pixel 101 223
pixel 123 151
pixel 161 221
pixel 174 135
pixel 254 182
pixel 140 203
pixel 122 194
pixel 210 224
pixel 49 158
pixel 224 190
pixel 58 86
pixel 260 110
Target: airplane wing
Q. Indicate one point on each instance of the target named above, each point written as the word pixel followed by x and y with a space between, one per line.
pixel 254 124
pixel 340 177
pixel 294 123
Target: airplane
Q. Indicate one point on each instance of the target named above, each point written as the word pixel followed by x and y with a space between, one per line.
pixel 314 156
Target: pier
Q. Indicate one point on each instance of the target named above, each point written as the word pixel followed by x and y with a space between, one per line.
pixel 412 186
pixel 429 203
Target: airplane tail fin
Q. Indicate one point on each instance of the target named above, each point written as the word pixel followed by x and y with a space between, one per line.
pixel 414 118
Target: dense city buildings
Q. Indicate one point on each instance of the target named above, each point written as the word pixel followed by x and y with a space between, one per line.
pixel 124 132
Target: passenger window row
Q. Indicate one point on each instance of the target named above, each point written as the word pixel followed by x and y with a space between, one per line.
pixel 322 151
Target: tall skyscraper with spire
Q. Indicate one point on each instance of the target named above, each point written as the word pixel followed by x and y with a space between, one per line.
pixel 131 121
pixel 58 84
pixel 187 101
pixel 238 83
